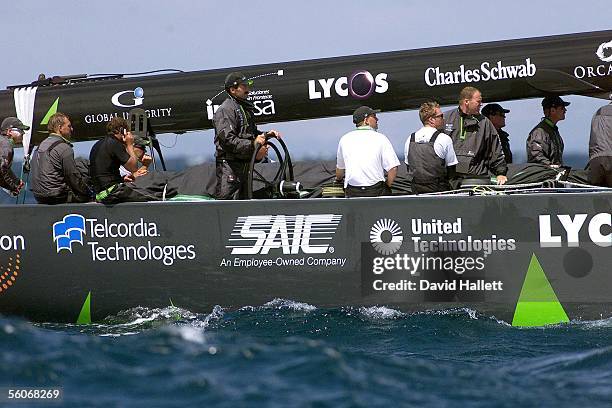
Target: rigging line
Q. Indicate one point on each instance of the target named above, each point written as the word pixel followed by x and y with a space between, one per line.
pixel 141 73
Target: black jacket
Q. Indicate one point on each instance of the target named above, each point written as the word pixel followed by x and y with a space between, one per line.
pixel 235 130
pixel 55 172
pixel 544 144
pixel 8 179
pixel 504 139
pixel 476 144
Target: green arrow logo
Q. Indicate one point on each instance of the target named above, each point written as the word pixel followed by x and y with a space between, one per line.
pixel 52 110
pixel 538 304
pixel 85 315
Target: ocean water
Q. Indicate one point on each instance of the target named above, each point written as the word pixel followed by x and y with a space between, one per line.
pixel 286 354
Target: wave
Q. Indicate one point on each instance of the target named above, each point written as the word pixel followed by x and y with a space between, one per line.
pixel 290 353
pixel 136 320
pixel 380 312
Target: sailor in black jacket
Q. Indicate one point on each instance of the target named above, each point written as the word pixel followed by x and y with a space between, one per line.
pixel 497 115
pixel 475 139
pixel 544 144
pixel 11 133
pixel 236 135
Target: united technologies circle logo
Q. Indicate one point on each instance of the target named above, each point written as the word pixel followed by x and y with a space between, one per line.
pixel 386 236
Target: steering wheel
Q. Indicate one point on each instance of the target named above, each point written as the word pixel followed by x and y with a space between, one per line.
pixel 260 186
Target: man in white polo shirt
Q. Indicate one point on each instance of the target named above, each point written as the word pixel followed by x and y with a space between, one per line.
pixel 363 157
pixel 429 154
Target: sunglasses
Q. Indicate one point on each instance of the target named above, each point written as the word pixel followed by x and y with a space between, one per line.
pixel 20 131
pixel 438 116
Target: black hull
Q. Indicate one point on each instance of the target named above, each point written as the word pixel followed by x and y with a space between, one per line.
pixel 313 251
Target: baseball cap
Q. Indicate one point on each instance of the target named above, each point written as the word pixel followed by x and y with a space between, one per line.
pixel 553 102
pixel 140 141
pixel 363 112
pixel 13 122
pixel 234 79
pixel 493 108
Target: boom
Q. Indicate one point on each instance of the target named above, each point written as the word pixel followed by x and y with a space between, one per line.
pixel 179 102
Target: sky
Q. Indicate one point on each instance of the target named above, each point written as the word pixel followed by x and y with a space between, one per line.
pixel 66 37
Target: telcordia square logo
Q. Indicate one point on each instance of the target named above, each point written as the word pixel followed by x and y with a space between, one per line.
pixel 70 229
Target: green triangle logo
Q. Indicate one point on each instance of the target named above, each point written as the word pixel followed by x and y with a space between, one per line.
pixel 85 315
pixel 52 110
pixel 538 304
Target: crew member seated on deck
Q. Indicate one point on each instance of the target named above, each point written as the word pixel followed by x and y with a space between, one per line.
pixel 429 154
pixel 236 136
pixel 475 139
pixel 363 157
pixel 144 160
pixel 12 131
pixel 57 177
pixel 544 144
pixel 106 156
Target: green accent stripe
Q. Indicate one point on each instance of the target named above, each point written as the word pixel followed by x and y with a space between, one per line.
pixel 176 315
pixel 85 315
pixel 186 197
pixel 52 110
pixel 538 304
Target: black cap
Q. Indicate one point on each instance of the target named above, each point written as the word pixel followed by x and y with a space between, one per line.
pixel 141 142
pixel 233 79
pixel 553 102
pixel 13 122
pixel 363 112
pixel 493 108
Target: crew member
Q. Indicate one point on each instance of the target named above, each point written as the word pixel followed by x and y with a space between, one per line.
pixel 12 131
pixel 144 160
pixel 363 157
pixel 236 136
pixel 600 148
pixel 106 156
pixel 544 144
pixel 429 153
pixel 475 140
pixel 497 115
pixel 56 176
